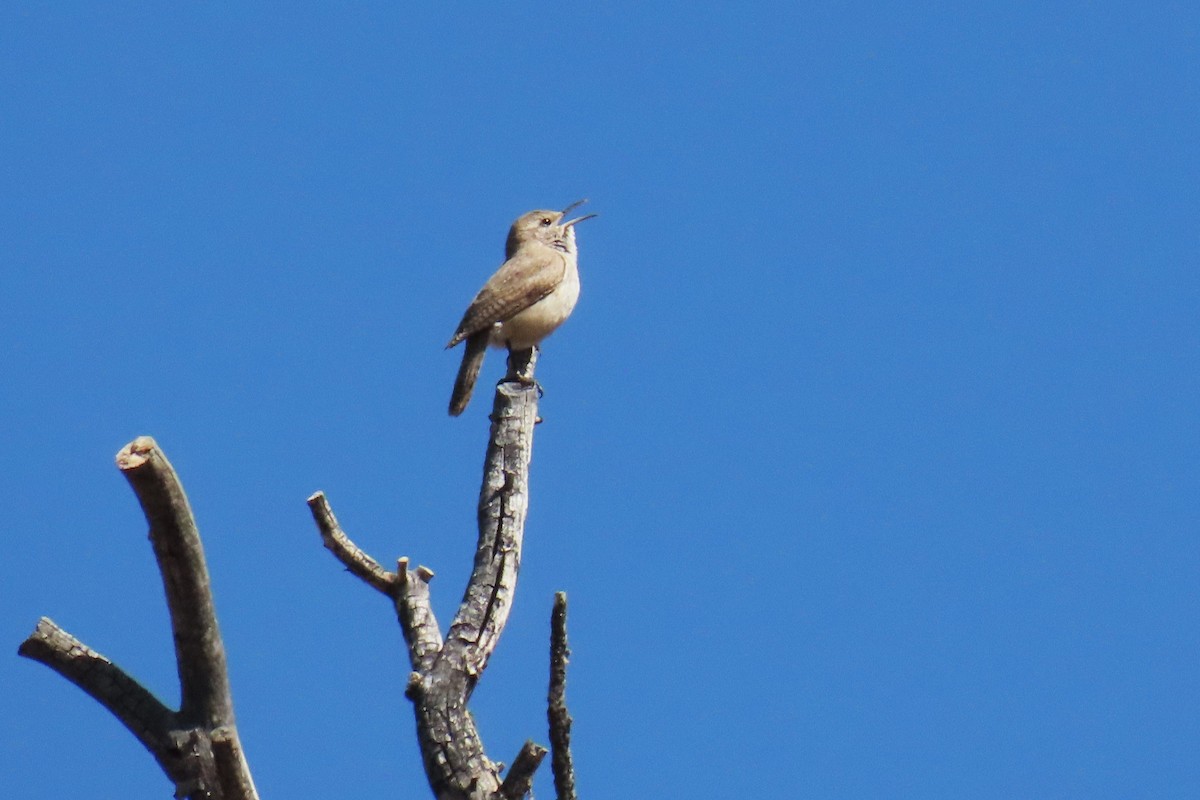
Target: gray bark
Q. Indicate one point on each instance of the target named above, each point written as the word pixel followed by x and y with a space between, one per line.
pixel 197 746
pixel 445 672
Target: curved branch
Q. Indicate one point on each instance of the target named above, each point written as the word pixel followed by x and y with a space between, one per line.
pixel 503 505
pixel 199 652
pixel 355 560
pixel 408 589
pixel 106 683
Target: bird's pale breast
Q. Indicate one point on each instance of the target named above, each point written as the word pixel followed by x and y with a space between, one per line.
pixel 535 323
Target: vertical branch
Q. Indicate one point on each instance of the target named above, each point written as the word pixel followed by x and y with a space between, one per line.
pixel 503 505
pixel 453 753
pixel 415 613
pixel 560 719
pixel 199 652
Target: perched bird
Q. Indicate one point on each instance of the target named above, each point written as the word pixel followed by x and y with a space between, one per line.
pixel 532 293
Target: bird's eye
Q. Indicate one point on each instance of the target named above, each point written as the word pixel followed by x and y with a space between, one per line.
pixel 546 220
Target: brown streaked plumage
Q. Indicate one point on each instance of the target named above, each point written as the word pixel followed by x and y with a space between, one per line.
pixel 532 293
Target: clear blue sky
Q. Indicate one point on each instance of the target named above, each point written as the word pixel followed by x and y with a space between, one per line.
pixel 871 460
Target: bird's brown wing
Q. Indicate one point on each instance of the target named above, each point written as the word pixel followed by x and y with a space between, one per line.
pixel 520 282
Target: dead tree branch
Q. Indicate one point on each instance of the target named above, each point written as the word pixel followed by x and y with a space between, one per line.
pixel 560 720
pixel 519 780
pixel 445 672
pixel 197 746
pixel 407 589
pixel 103 681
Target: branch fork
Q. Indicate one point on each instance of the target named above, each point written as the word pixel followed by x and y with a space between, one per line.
pixel 196 746
pixel 445 671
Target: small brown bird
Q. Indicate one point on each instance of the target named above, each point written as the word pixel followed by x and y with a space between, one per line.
pixel 532 293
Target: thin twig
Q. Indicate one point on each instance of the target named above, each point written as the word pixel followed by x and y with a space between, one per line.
pixel 355 560
pixel 407 588
pixel 560 719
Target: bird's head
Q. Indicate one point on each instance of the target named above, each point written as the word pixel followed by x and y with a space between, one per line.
pixel 546 227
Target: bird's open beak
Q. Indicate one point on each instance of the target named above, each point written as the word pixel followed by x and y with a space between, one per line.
pixel 579 219
pixel 573 206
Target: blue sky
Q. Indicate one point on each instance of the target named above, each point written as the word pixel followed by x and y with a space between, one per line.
pixel 871 460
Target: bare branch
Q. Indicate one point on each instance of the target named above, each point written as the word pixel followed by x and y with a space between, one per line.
pixel 233 773
pixel 560 719
pixel 199 652
pixel 106 683
pixel 408 589
pixel 454 756
pixel 355 560
pixel 413 609
pixel 503 504
pixel 519 780
pixel 445 672
pixel 197 747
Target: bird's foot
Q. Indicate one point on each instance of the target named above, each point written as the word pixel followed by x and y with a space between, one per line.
pixel 521 364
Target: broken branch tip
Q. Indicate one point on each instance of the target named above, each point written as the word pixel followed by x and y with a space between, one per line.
pixel 136 453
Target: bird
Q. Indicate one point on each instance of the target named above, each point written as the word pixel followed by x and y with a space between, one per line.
pixel 528 298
